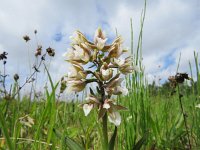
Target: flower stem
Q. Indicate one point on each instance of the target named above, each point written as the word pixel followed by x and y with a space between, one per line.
pixel 184 118
pixel 105 131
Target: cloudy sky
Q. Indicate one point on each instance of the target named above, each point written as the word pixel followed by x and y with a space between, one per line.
pixel 171 27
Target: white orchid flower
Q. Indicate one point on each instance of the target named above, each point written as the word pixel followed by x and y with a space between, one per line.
pixel 75 85
pixel 114 118
pixel 100 43
pixel 106 72
pixel 76 72
pixel 80 54
pixel 100 39
pixel 87 108
pixel 106 105
pixel 125 65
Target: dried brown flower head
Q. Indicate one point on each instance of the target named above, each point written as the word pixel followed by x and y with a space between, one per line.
pixel 172 81
pixel 50 51
pixel 178 78
pixel 26 38
pixel 3 56
pixel 38 51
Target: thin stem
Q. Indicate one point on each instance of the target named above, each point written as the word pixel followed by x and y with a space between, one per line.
pixel 105 131
pixel 104 119
pixel 30 77
pixel 184 117
pixel 29 59
pixel 4 78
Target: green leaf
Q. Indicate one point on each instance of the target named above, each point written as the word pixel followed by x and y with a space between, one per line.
pixel 112 140
pixel 5 131
pixel 141 142
pixel 73 145
pixel 70 143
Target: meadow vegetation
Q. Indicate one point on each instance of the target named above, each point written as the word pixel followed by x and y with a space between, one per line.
pixel 156 117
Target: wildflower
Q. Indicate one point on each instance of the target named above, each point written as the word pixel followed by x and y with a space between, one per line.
pixel 87 108
pixel 76 85
pixel 104 59
pixel 115 118
pixel 100 39
pixel 26 38
pixel 78 38
pixel 27 121
pixel 80 54
pixel 50 51
pixel 112 109
pixel 77 71
pixel 125 65
pixel 119 90
pixel 116 50
pixel 92 102
pixel 114 86
pixel 106 72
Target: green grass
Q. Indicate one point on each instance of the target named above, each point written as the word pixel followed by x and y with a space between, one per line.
pixel 156 121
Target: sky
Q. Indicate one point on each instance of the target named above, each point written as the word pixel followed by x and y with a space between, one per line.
pixel 171 27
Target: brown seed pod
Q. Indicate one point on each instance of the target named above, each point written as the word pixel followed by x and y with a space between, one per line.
pixel 26 38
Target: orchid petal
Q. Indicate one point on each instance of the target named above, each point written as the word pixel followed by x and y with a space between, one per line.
pixel 87 108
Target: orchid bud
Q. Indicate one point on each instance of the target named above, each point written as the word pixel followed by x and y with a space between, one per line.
pixel 106 72
pixel 100 39
pixel 26 38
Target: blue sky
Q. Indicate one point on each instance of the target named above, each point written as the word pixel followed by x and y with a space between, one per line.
pixel 171 27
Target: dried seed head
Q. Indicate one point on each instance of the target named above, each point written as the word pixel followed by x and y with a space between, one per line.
pixel 16 77
pixel 26 38
pixel 38 51
pixel 180 77
pixel 50 51
pixel 3 56
pixel 35 31
pixel 172 81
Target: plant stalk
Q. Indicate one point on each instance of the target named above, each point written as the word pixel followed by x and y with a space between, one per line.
pixel 184 117
pixel 105 131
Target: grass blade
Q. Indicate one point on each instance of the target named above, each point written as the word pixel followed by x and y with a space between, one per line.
pixel 5 131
